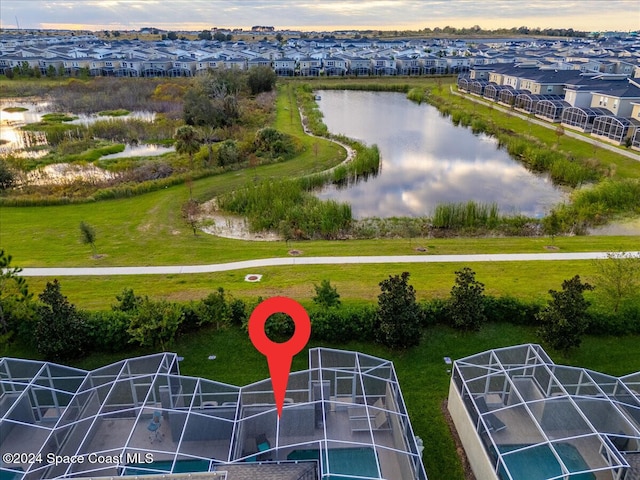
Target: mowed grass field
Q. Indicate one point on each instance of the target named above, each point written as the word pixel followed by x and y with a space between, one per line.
pixel 357 284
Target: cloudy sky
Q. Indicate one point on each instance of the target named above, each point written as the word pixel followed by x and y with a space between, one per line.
pixel 590 15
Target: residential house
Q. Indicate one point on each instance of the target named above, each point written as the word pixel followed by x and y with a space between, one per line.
pixel 343 417
pixel 335 66
pixel 383 66
pixel 408 65
pixel 358 66
pixel 259 62
pixel 309 67
pixel 284 67
pixel 618 99
pixel 521 416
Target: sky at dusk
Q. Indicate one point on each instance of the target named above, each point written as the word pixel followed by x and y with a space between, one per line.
pixel 589 15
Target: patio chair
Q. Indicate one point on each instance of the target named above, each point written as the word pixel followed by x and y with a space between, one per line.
pixel 494 424
pixel 262 444
pixel 154 427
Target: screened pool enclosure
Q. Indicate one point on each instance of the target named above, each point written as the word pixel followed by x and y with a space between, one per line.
pixel 344 418
pixel 522 417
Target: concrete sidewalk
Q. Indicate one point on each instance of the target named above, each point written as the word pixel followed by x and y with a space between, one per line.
pixel 297 261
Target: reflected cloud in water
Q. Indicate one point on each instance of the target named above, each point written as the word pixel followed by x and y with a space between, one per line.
pixel 426 160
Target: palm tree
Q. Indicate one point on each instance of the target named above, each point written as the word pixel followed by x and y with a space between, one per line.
pixel 187 141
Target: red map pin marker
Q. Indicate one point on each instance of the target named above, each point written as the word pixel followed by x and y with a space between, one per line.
pixel 279 355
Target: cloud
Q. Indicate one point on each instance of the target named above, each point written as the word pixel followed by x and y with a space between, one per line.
pixel 322 14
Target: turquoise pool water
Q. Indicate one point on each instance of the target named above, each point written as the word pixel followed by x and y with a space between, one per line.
pixel 539 463
pixel 182 466
pixel 343 462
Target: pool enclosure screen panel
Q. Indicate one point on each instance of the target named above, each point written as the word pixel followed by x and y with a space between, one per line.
pixel 346 412
pixel 539 420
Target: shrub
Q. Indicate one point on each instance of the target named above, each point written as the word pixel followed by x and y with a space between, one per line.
pixel 109 330
pixel 326 295
pixel 61 331
pixel 343 324
pixel 398 318
pixel 273 143
pixel 279 327
pixel 466 303
pixel 155 324
pixel 435 312
pixel 228 153
pixel 510 310
pixel 238 311
pixel 564 320
pixel 214 309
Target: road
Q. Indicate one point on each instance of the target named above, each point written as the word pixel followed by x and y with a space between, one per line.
pixel 297 261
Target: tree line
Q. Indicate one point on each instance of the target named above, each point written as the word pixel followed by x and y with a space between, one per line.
pixel 58 330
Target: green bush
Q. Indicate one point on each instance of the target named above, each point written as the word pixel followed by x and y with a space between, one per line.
pixel 61 331
pixel 343 324
pixel 108 331
pixel 435 312
pixel 510 310
pixel 607 322
pixel 398 316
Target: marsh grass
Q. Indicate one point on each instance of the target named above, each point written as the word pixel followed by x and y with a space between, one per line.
pixel 466 215
pixel 120 112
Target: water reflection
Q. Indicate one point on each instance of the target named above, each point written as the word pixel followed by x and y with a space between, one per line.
pixel 143 150
pixel 14 138
pixel 426 160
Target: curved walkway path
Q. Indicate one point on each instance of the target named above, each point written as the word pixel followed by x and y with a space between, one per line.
pixel 296 261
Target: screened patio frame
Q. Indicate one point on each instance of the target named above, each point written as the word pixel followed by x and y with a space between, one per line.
pixel 613 128
pixel 582 118
pixel 635 141
pixel 527 102
pixel 477 87
pixel 463 83
pixel 493 91
pixel 507 96
pixel 519 401
pixel 551 110
pixel 345 400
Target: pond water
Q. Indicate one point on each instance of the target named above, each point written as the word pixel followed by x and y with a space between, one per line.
pixel 144 150
pixel 426 160
pixel 11 122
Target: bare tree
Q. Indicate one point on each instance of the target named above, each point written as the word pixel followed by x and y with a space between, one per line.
pixel 191 211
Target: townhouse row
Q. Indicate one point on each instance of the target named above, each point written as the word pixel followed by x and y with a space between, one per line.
pixel 607 106
pixel 168 67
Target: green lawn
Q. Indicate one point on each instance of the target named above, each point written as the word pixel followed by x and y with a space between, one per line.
pixel 355 283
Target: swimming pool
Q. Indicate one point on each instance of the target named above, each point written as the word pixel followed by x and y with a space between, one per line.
pixel 539 463
pixel 342 463
pixel 182 466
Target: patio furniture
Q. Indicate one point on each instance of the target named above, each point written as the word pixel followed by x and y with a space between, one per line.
pixel 154 427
